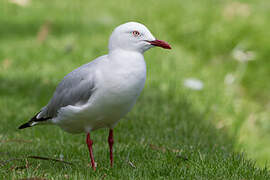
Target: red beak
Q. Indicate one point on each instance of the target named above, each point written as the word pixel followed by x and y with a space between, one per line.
pixel 160 43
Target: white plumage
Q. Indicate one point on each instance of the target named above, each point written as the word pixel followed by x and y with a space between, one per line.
pixel 118 83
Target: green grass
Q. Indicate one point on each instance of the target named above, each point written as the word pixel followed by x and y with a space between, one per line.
pixel 222 130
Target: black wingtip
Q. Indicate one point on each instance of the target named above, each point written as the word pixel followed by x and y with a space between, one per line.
pixel 26 125
pixel 33 121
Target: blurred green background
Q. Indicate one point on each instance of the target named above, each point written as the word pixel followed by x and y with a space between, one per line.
pixel 208 99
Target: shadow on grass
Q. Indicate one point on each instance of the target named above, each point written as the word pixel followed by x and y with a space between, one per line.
pixel 175 120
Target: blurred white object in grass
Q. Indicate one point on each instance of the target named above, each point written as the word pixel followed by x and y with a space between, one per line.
pixel 243 56
pixel 194 84
pixel 61 156
pixel 20 2
pixel 229 79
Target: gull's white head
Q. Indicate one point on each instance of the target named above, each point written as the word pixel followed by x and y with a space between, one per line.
pixel 134 36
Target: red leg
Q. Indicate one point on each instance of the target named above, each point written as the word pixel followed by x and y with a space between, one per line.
pixel 89 143
pixel 110 141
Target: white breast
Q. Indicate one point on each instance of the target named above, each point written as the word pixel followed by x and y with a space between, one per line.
pixel 119 85
pixel 123 78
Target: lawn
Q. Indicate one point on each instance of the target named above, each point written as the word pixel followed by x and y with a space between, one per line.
pixel 219 131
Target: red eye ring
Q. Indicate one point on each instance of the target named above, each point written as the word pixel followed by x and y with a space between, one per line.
pixel 135 33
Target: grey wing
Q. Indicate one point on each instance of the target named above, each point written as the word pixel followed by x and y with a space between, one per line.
pixel 71 91
pixel 76 88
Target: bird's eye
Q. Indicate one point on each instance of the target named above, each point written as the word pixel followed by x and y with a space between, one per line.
pixel 135 33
